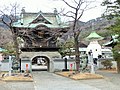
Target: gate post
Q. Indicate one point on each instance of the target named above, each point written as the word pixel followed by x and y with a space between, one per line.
pixel 51 66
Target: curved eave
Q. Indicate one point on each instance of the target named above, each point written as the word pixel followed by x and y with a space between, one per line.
pixel 109 44
pixel 39 24
pixel 94 38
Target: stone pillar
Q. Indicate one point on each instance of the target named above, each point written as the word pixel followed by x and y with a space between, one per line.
pixel 51 66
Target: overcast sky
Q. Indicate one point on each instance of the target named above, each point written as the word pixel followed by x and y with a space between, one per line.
pixel 49 5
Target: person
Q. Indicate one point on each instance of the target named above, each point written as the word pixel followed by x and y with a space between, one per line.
pixel 95 57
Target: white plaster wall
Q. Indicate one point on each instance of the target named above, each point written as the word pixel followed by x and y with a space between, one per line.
pixel 60 64
pixel 23 65
pixel 4 66
pixel 93 46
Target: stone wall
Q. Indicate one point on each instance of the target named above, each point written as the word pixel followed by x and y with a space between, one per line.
pixel 50 55
pixel 59 64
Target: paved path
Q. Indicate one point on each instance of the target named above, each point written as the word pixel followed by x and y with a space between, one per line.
pixel 111 81
pixel 16 86
pixel 50 81
pixel 112 77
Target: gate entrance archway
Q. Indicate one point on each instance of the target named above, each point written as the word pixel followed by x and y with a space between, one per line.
pixel 40 63
pixel 41 56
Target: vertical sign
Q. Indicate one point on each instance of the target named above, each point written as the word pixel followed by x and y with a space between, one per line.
pixel 27 68
pixel 71 67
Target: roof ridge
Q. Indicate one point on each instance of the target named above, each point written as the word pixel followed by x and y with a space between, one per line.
pixel 40 13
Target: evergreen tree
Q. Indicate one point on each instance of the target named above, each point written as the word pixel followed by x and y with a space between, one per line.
pixel 113 11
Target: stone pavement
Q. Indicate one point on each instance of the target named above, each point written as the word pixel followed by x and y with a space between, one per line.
pixel 112 77
pixel 16 85
pixel 110 82
pixel 50 81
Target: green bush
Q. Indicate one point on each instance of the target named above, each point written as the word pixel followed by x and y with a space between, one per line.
pixel 116 52
pixel 107 64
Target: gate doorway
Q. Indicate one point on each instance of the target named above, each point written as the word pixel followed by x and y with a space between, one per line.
pixel 40 63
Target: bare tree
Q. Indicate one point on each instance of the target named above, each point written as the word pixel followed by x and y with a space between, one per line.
pixel 5 37
pixel 8 17
pixel 77 8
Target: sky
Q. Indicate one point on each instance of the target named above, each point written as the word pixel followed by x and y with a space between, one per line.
pixel 49 5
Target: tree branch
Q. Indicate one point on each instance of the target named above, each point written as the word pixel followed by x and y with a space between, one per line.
pixel 81 14
pixel 69 4
pixel 69 16
pixel 4 21
pixel 84 9
pixel 75 1
pixel 70 12
pixel 79 4
pixel 14 7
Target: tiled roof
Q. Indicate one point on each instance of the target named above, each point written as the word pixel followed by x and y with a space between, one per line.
pixel 27 19
pixel 94 36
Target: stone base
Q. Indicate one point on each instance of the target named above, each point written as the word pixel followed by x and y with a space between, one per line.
pixel 65 69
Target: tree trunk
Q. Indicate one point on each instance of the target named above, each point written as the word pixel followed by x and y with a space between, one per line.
pixel 77 56
pixel 118 66
pixel 16 46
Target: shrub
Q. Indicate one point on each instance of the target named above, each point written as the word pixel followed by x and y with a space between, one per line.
pixel 107 64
